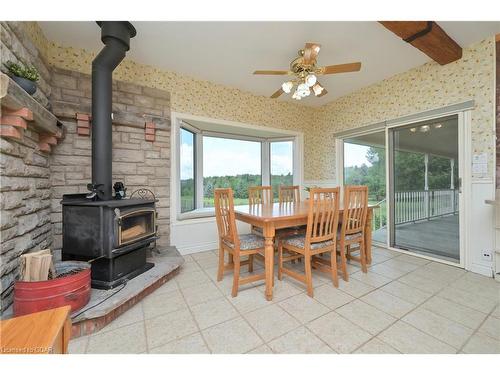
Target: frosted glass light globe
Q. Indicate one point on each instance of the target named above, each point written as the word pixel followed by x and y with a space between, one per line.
pixel 302 87
pixel 317 89
pixel 287 87
pixel 311 80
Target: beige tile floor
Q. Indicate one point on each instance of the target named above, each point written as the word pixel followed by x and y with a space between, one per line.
pixel 403 304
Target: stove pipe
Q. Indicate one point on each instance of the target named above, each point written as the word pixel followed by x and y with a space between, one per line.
pixel 116 37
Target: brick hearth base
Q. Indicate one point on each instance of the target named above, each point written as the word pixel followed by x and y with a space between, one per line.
pixel 167 265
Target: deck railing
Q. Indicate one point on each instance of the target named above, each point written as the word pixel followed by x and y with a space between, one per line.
pixel 412 206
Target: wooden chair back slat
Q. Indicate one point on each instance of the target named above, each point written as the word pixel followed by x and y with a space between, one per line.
pixel 260 195
pixel 224 214
pixel 355 209
pixel 323 215
pixel 289 194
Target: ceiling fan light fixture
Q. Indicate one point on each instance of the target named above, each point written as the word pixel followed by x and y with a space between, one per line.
pixel 311 80
pixel 318 89
pixel 305 71
pixel 287 87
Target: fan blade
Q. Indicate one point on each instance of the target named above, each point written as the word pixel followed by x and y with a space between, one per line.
pixel 272 72
pixel 311 51
pixel 341 68
pixel 277 93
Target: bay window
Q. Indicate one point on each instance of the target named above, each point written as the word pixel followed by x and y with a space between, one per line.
pixel 209 160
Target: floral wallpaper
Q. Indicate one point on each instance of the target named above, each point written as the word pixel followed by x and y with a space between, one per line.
pixel 426 87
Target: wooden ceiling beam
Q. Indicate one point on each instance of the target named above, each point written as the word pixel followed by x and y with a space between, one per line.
pixel 428 37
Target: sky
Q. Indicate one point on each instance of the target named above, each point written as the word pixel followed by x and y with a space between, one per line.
pixel 229 157
pixel 355 155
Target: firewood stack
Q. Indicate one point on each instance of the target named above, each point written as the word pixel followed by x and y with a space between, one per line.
pixel 37 266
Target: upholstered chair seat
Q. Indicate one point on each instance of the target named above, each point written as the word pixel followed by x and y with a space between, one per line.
pixel 300 241
pixel 248 242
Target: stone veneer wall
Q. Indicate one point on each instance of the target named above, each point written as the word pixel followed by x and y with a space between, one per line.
pixel 25 206
pixel 32 182
pixel 17 46
pixel 136 162
pixel 25 187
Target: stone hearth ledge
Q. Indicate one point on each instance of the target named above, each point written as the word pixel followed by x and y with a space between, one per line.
pixel 167 264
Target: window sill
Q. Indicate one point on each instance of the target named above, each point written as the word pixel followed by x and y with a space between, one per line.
pixel 199 213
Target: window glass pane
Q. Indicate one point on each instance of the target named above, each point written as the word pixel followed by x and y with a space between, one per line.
pixel 187 171
pixel 281 165
pixel 230 163
pixel 364 164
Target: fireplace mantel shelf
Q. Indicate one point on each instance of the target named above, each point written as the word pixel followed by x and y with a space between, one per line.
pixel 14 98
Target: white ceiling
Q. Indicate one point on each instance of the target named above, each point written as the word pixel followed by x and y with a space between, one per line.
pixel 228 52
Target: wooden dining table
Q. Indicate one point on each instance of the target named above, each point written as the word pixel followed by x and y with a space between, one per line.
pixel 271 217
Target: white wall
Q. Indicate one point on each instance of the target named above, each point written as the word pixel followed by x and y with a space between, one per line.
pixel 197 235
pixel 480 228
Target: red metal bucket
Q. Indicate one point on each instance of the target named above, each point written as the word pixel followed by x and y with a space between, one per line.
pixel 73 290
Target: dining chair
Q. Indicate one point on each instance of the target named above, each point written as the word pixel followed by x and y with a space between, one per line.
pixel 259 195
pixel 235 245
pixel 289 194
pixel 352 231
pixel 320 237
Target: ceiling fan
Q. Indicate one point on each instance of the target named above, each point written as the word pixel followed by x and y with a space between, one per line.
pixel 305 71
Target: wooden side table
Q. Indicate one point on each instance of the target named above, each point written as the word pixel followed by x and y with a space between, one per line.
pixel 44 332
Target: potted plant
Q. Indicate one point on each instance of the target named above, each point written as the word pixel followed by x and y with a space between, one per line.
pixel 24 75
pixel 308 189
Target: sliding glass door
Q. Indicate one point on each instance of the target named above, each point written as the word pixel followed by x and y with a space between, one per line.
pixel 413 176
pixel 424 184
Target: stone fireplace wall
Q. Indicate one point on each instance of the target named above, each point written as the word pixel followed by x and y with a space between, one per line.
pixel 33 181
pixel 16 46
pixel 136 162
pixel 25 186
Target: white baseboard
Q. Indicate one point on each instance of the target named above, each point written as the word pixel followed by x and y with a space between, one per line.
pixel 482 270
pixel 197 248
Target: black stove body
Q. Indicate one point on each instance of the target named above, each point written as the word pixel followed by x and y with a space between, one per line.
pixel 113 235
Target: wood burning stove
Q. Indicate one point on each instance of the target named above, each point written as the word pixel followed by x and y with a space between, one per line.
pixel 113 234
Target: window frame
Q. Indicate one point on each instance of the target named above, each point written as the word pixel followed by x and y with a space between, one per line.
pixel 204 212
pixel 195 182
